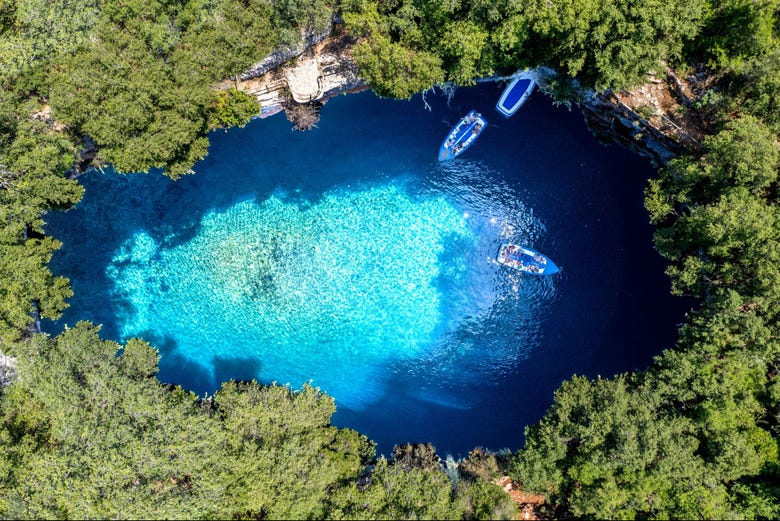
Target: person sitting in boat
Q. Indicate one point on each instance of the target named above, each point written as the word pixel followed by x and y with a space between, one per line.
pixel 540 258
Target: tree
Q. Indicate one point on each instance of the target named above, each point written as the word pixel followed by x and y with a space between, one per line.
pixel 603 450
pixel 395 70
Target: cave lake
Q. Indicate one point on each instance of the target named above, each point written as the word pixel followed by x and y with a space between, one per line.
pixel 348 257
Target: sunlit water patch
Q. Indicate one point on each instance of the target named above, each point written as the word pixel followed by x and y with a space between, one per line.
pixel 333 291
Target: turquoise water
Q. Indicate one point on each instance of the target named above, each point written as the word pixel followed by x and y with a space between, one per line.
pixel 350 258
pixel 329 291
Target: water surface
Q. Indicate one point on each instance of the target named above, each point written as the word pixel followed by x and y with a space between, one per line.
pixel 350 258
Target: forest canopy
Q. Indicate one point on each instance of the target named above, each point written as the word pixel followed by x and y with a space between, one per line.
pixel 409 44
pixel 88 434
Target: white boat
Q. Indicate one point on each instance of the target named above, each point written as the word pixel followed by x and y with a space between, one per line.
pixel 462 135
pixel 526 260
pixel 515 94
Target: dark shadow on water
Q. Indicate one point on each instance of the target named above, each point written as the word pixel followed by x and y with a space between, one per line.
pixel 239 369
pixel 192 376
pixel 176 369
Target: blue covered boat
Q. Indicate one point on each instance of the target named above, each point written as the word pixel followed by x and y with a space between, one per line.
pixel 515 94
pixel 526 260
pixel 462 136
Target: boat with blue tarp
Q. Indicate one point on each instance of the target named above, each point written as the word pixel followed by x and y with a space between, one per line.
pixel 526 260
pixel 462 135
pixel 515 94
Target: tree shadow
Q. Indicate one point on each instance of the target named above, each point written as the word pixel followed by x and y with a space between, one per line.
pixel 176 368
pixel 239 369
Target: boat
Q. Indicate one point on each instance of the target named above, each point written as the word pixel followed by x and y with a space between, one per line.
pixel 462 135
pixel 525 260
pixel 514 95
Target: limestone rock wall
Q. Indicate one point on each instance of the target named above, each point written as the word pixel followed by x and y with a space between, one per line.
pixel 318 72
pixel 658 119
pixel 308 40
pixel 612 121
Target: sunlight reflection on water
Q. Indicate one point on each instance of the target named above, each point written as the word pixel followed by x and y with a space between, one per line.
pixel 340 290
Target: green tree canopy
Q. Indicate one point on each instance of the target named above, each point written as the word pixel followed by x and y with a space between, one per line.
pixel 87 431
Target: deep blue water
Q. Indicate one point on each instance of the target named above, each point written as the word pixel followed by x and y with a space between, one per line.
pixel 349 257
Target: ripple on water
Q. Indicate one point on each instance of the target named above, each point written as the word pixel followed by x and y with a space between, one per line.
pixel 341 291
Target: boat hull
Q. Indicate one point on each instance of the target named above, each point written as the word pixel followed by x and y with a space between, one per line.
pixel 515 94
pixel 526 260
pixel 462 135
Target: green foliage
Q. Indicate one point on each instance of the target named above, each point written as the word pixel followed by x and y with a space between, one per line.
pixel 480 464
pixel 418 455
pixel 33 161
pixel 484 500
pixel 85 433
pixel 602 44
pixel 139 359
pixel 112 444
pixel 26 284
pixel 757 89
pixel 33 32
pixel 394 70
pixel 757 500
pixel 736 31
pixel 234 108
pixel 603 450
pixel 136 76
pixel 145 119
pixel 740 40
pixel 463 47
pixel 268 423
pixel 700 437
pixel 396 492
pixel 718 224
